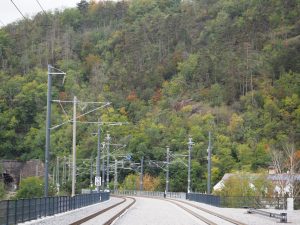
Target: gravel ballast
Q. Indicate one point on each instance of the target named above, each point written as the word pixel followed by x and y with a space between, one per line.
pixel 72 216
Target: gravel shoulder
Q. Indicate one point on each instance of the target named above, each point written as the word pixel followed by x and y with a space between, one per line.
pixel 72 216
pixel 253 219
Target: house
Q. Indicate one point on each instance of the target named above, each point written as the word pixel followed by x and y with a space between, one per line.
pixel 220 185
pixel 284 183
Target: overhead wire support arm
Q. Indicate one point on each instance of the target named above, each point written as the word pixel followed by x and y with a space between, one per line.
pixel 104 123
pixel 181 161
pixel 178 155
pixel 118 145
pixel 60 71
pixel 71 101
pixel 57 73
pixel 71 120
pixel 62 108
pixel 156 164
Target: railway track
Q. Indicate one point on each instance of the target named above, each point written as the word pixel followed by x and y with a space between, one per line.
pixel 113 218
pixel 201 213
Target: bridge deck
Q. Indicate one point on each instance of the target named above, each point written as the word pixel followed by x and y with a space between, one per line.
pixel 157 211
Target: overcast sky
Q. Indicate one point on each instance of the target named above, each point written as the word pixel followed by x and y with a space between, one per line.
pixel 8 12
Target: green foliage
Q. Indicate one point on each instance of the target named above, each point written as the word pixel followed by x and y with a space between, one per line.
pixel 179 183
pixel 131 182
pixel 72 17
pixel 246 184
pixel 2 191
pixel 170 68
pixel 216 95
pixel 31 187
pixel 187 69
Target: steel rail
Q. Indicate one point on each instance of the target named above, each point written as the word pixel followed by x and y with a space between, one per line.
pixel 208 211
pixel 85 219
pixel 202 218
pixel 111 220
pixel 207 221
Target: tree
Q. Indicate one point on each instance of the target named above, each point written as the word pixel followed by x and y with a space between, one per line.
pixel 131 182
pixel 83 6
pixel 287 162
pixel 171 68
pixel 246 184
pixel 150 183
pixel 237 185
pixel 216 95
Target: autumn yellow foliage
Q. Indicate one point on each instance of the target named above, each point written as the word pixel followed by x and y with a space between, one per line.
pixel 150 183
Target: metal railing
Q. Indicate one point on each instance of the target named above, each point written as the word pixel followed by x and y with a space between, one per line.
pixel 253 202
pixel 22 210
pixel 239 201
pixel 281 216
pixel 297 203
pixel 181 195
pixel 204 198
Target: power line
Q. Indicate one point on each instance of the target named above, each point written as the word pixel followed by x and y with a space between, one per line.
pixel 41 6
pixel 44 11
pixel 18 9
pixel 2 22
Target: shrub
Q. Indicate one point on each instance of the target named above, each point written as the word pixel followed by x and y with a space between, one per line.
pixel 31 187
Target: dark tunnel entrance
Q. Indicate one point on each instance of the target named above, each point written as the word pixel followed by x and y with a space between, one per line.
pixel 8 180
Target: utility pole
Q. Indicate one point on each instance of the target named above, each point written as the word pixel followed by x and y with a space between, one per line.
pixel 116 175
pixel 57 174
pixel 48 123
pixel 69 165
pixel 103 172
pixel 91 173
pixel 190 143
pixel 167 169
pixel 209 163
pixel 142 173
pixel 74 148
pixel 98 156
pixel 107 166
pixel 64 171
pixel 54 174
pixel 74 120
pixel 98 160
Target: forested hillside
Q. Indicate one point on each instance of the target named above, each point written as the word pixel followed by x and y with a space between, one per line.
pixel 171 68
